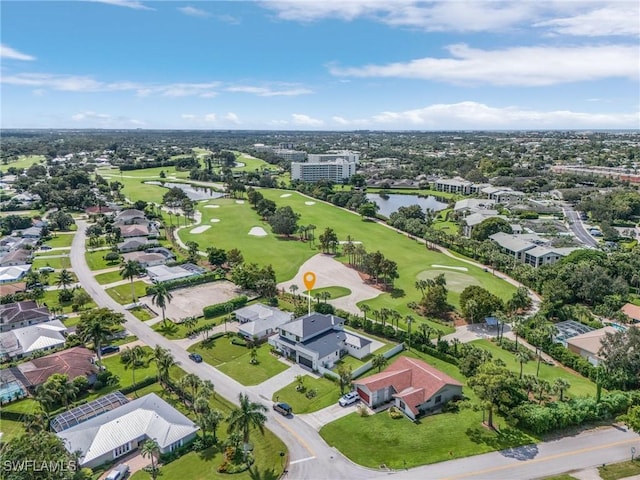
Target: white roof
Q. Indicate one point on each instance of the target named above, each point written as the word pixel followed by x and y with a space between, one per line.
pixel 149 416
pixel 481 216
pixel 473 204
pixel 37 337
pixel 15 272
pixel 163 273
pixel 512 242
pixel 263 323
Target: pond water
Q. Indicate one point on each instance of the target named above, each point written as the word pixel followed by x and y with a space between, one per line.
pixel 194 192
pixel 392 202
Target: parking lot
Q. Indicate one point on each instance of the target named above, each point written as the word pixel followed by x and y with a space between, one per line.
pixel 190 301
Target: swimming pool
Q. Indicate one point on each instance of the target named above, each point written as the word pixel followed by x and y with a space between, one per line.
pixel 9 390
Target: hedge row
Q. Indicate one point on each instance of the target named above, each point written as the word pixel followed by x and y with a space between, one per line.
pixel 211 311
pixel 186 282
pixel 445 357
pixel 209 340
pixel 138 385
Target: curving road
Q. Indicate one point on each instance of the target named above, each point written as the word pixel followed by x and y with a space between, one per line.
pixel 574 222
pixel 312 459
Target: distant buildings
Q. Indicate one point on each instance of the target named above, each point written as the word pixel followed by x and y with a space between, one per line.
pixel 528 249
pixel 335 166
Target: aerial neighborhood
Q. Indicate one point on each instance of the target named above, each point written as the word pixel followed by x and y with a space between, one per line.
pixel 194 311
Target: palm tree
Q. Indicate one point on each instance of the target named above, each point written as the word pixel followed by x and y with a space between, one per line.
pixel 560 385
pixel 522 356
pixel 65 279
pixel 96 326
pixel 133 358
pixel 213 419
pixel 164 361
pixel 191 383
pixel 293 289
pixel 365 309
pixel 161 297
pixel 249 414
pixel 379 361
pixel 150 449
pixel 66 392
pixel 190 322
pixel 131 269
pixel 254 356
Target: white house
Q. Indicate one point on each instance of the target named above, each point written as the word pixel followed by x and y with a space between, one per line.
pixel 34 338
pixel 115 433
pixel 259 321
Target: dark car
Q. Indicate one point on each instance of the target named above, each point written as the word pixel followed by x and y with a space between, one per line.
pixel 283 408
pixel 196 357
pixel 109 349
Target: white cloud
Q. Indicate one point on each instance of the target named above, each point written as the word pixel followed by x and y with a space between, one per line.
pixel 340 120
pixel 194 12
pixel 210 117
pixel 77 83
pixel 231 20
pixel 10 53
pixel 39 92
pixel 306 120
pixel 620 18
pixel 134 4
pixel 188 116
pixel 525 66
pixel 93 119
pixel 474 115
pixel 268 92
pixel 233 118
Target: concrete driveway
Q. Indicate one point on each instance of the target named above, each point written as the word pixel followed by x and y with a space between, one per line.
pixel 319 419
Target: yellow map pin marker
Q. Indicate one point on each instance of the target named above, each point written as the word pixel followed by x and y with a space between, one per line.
pixel 309 279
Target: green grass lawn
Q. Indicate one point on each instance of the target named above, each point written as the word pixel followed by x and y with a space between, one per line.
pixel 564 476
pixel 23 161
pixel 49 253
pixel 233 360
pixel 108 277
pixel 60 240
pixel 328 393
pixel 142 313
pixel 286 255
pixel 134 188
pixel 580 386
pixel 620 470
pixel 57 262
pixel 96 260
pixel 13 415
pixel 122 293
pixel 252 164
pixel 335 292
pixel 50 297
pixel 355 362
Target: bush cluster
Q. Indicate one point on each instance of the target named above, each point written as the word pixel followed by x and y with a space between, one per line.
pixel 211 311
pixel 145 382
pixel 186 282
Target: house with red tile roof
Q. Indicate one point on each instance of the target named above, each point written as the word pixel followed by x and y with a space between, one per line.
pixel 632 311
pixel 73 362
pixel 414 386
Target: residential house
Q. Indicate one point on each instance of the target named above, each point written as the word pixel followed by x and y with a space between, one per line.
pixel 145 259
pixel 632 311
pixel 31 232
pixel 588 345
pixel 475 219
pixel 130 216
pixel 20 256
pixel 512 245
pixel 22 314
pixel 12 274
pixel 112 434
pixel 318 340
pixel 414 386
pixel 164 273
pixel 545 255
pixel 128 231
pixel 503 194
pixel 468 206
pixel 259 321
pixel 165 252
pixel 73 362
pixel 135 243
pixel 24 341
pixel 453 185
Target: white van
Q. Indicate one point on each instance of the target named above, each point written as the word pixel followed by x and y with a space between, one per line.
pixel 118 473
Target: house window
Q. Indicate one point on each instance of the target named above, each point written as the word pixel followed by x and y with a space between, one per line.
pixel 122 450
pixel 402 405
pixel 297 338
pixel 438 399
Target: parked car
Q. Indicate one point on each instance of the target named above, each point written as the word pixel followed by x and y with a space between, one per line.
pixel 118 473
pixel 196 357
pixel 283 408
pixel 109 349
pixel 348 399
pixel 45 247
pixel 46 269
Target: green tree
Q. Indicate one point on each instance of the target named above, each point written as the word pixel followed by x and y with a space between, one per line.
pixel 560 385
pixel 193 251
pixel 134 358
pixel 632 418
pixel 490 226
pixel 161 298
pixel 284 221
pixel 522 356
pixel 477 303
pixel 164 360
pixel 97 325
pixel 151 449
pixel 131 269
pixel 379 361
pixel 344 372
pixel 65 279
pixel 248 414
pixel 80 298
pixel 216 256
pixel 368 209
pixel 496 387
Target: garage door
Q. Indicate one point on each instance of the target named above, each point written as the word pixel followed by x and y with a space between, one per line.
pixel 364 396
pixel 305 361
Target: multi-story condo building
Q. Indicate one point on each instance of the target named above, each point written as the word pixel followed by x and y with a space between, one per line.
pixel 336 171
pixel 333 155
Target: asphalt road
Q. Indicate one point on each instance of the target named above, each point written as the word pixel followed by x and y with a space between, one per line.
pixel 575 224
pixel 312 459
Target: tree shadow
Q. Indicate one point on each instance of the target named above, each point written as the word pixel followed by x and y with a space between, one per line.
pixel 511 442
pixel 268 474
pixel 209 453
pixel 168 328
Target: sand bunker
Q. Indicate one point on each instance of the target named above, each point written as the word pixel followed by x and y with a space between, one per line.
pixel 344 242
pixel 462 269
pixel 285 195
pixel 214 220
pixel 258 232
pixel 240 201
pixel 200 229
pixel 309 203
pixel 212 206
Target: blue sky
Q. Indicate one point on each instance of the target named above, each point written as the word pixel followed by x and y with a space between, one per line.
pixel 321 65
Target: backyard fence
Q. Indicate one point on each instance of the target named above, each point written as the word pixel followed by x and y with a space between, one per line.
pixel 369 365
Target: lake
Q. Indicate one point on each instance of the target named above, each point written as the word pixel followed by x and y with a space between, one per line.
pixel 395 201
pixel 194 192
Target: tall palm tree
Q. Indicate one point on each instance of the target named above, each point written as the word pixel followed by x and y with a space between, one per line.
pixel 150 449
pixel 293 289
pixel 65 279
pixel 213 419
pixel 379 361
pixel 94 330
pixel 66 392
pixel 135 358
pixel 248 414
pixel 522 356
pixel 191 383
pixel 560 385
pixel 161 298
pixel 131 269
pixel 164 361
pixel 365 309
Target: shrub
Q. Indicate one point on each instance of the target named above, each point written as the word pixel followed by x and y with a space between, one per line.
pixel 211 311
pixel 238 341
pixel 395 413
pixel 362 410
pixel 112 257
pixel 209 340
pixel 138 385
pixel 187 281
pixel 65 296
pixel 445 357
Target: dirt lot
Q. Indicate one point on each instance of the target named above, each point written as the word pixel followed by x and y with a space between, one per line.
pixel 190 301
